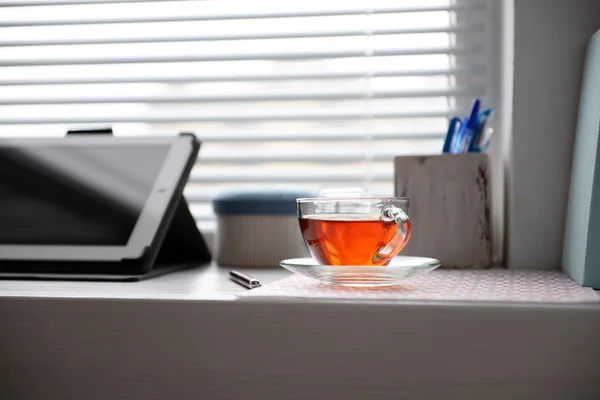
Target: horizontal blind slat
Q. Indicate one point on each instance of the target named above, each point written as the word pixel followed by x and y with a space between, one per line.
pixel 315 136
pixel 475 6
pixel 330 157
pixel 473 28
pixel 35 3
pixel 472 70
pixel 204 218
pixel 220 118
pixel 205 196
pixel 261 177
pixel 472 49
pixel 354 95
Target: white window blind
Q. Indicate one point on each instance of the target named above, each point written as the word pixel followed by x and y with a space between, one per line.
pixel 310 94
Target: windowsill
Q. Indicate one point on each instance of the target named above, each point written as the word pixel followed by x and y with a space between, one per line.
pixel 118 337
pixel 203 283
pixel 210 283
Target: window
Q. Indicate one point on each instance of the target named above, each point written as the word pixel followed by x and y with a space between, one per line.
pixel 309 94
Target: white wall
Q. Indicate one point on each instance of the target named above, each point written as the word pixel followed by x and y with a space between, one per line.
pixel 550 43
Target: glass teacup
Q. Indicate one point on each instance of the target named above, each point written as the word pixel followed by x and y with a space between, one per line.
pixel 360 231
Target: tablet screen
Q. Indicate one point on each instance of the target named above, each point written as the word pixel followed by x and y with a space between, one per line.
pixel 75 195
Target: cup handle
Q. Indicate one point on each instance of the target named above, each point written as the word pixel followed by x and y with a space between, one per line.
pixel 402 235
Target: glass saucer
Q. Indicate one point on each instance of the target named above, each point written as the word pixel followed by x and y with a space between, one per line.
pixel 399 269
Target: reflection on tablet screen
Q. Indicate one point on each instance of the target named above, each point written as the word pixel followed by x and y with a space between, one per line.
pixel 72 195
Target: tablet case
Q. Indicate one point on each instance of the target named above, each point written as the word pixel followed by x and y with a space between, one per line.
pixel 177 244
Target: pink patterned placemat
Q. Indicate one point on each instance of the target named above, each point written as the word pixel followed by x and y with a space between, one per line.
pixel 470 285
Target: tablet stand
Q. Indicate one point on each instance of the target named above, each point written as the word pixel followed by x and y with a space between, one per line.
pixel 183 244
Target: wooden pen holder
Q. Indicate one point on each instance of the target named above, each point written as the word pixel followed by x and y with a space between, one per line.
pixel 449 207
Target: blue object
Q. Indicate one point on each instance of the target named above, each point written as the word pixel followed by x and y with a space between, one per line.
pixel 454 121
pixel 459 144
pixel 484 136
pixel 259 202
pixel 475 146
pixel 480 140
pixel 471 126
pixel 473 122
pixel 581 248
pixel 467 135
pixel 486 113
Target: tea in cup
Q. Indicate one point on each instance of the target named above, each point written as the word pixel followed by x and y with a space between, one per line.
pixel 358 232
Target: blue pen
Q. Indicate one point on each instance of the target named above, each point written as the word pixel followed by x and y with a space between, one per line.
pixel 450 134
pixel 472 124
pixel 486 113
pixel 476 144
pixel 484 116
pixel 458 144
pixel 474 117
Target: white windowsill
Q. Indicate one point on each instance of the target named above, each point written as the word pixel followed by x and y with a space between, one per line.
pixel 184 335
pixel 209 283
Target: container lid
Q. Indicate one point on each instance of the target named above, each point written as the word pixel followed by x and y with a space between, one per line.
pixel 259 202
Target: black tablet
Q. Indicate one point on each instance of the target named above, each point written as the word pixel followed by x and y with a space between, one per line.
pixel 88 198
